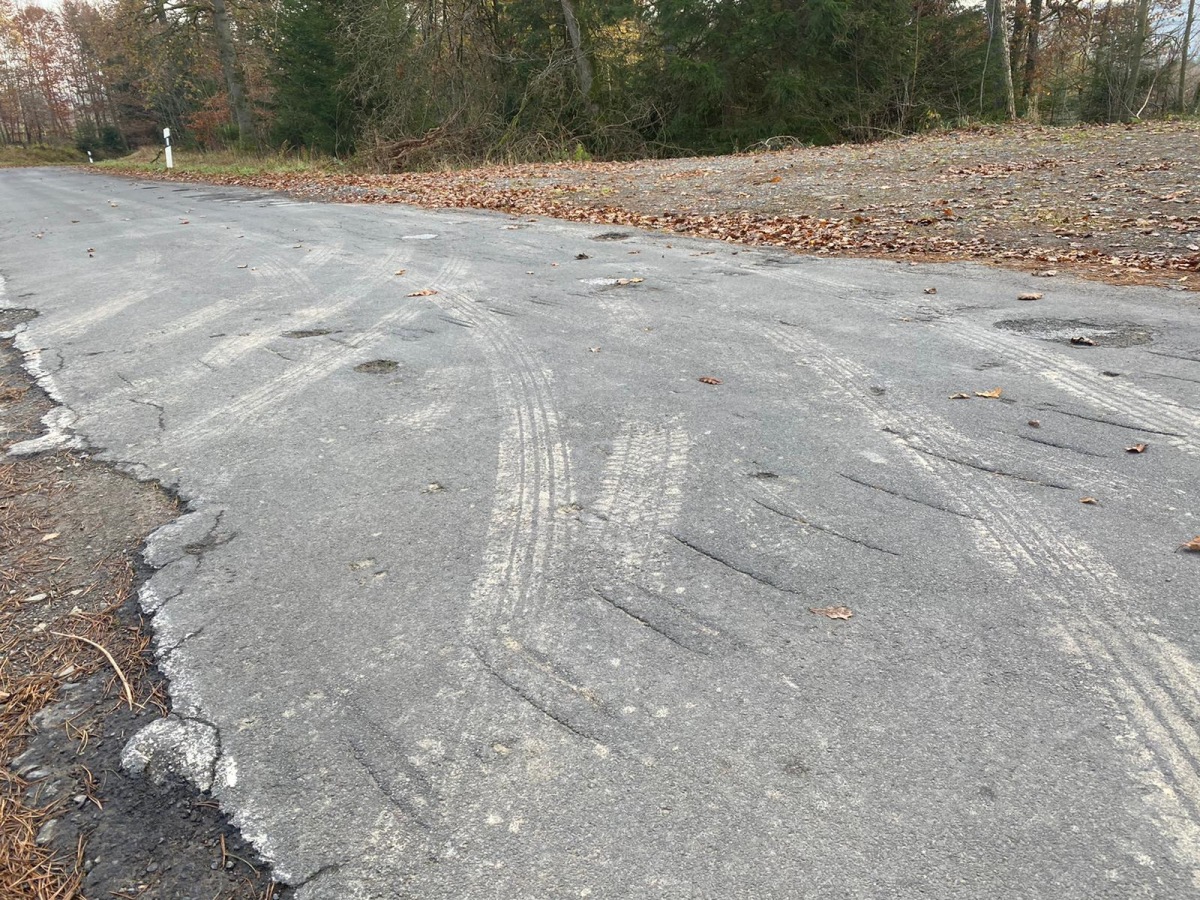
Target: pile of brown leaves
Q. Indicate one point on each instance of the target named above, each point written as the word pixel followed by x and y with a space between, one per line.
pixel 1119 203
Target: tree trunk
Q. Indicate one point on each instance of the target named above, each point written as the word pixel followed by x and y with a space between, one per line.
pixel 1020 25
pixel 999 37
pixel 1029 83
pixel 233 75
pixel 583 65
pixel 1183 55
pixel 1141 34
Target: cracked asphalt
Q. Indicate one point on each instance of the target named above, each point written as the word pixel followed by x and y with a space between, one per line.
pixel 483 593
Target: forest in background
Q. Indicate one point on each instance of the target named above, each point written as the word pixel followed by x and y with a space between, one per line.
pixel 410 83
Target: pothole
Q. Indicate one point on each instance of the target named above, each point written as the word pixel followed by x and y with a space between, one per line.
pixel 1098 334
pixel 308 333
pixel 611 236
pixel 377 367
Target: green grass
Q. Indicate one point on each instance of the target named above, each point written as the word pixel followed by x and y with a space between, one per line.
pixel 224 162
pixel 38 155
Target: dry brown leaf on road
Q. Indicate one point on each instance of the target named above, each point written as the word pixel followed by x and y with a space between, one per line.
pixel 1193 544
pixel 832 612
pixel 1049 273
pixel 624 281
pixel 1090 501
pixel 993 394
pixel 428 292
pixel 1083 342
pixel 931 290
pixel 1029 295
pixel 401 271
pixel 1137 448
pixel 960 396
pixel 1034 423
pixel 708 379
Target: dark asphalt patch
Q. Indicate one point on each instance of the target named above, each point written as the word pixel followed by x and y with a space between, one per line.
pixel 377 367
pixel 1062 331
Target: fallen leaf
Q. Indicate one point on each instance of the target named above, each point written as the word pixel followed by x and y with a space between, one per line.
pixel 1030 295
pixel 832 612
pixel 1083 342
pixel 1137 448
pixel 184 222
pixel 51 536
pixel 625 281
pixel 428 292
pixel 708 379
pixel 1034 423
pixel 593 349
pixel 1090 501
pixel 960 396
pixel 931 290
pixel 993 394
pixel 1193 544
pixel 243 266
pixel 401 272
pixel 1049 273
pixel 582 256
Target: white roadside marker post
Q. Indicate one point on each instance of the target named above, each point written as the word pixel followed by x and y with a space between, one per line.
pixel 167 138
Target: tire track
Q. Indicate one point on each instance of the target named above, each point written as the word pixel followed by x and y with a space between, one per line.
pixel 256 405
pixel 1076 379
pixel 1144 674
pixel 526 529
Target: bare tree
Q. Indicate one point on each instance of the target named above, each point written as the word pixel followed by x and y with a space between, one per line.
pixel 583 65
pixel 1183 54
pixel 234 80
pixel 998 23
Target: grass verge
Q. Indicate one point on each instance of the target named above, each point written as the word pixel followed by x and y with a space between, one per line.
pixel 12 155
pixel 224 162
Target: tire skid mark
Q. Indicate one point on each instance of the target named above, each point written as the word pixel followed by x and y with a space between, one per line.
pixel 291 276
pixel 1077 379
pixel 642 491
pixel 526 529
pixel 256 404
pixel 1170 808
pixel 778 509
pixel 839 374
pixel 148 266
pixel 1147 676
pixel 524 544
pixel 641 494
pixel 1085 384
pixel 230 351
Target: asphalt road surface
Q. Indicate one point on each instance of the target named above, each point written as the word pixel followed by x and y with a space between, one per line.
pixel 485 594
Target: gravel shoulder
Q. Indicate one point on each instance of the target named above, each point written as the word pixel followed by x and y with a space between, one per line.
pixel 77 680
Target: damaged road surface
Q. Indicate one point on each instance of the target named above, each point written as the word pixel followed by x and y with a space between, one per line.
pixel 504 539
